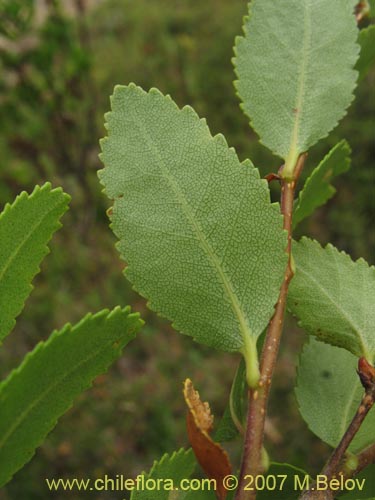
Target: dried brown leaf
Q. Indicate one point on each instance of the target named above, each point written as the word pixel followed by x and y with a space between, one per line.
pixel 211 456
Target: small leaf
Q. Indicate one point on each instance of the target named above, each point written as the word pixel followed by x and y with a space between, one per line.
pixel 329 392
pixel 171 470
pixel 211 456
pixel 201 238
pixel 333 297
pixel 290 490
pixel 367 492
pixel 366 40
pixel 228 429
pixel 318 188
pixel 44 386
pixel 26 227
pixel 295 60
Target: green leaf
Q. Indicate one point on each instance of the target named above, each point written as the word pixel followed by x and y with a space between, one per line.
pixel 181 466
pixel 366 40
pixel 367 493
pixel 333 297
pixel 318 188
pixel 170 470
pixel 26 227
pixel 201 238
pixel 289 489
pixel 227 429
pixel 329 392
pixel 282 482
pixel 44 386
pixel 295 71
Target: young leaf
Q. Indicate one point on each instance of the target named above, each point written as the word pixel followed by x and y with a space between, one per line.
pixel 293 478
pixel 333 297
pixel 329 392
pixel 202 241
pixel 171 470
pixel 44 386
pixel 295 72
pixel 228 429
pixel 368 490
pixel 26 227
pixel 366 40
pixel 318 188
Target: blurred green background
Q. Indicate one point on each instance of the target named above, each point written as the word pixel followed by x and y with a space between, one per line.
pixel 59 62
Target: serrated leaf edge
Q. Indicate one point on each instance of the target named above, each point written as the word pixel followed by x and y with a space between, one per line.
pixel 249 341
pixel 45 250
pixel 168 458
pixel 347 149
pixel 361 262
pixel 292 155
pixel 66 329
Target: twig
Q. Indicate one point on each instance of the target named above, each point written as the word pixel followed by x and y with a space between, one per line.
pixel 365 458
pixel 366 373
pixel 258 398
pixel 332 466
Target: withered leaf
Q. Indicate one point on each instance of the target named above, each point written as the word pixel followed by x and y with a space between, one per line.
pixel 211 456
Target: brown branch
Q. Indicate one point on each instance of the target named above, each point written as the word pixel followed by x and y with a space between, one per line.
pixel 258 398
pixel 366 374
pixel 365 458
pixel 332 466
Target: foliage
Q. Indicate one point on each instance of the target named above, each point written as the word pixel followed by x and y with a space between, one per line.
pixel 178 466
pixel 318 189
pixel 328 374
pixel 36 218
pixel 284 40
pixel 194 244
pixel 163 42
pixel 43 387
pixel 366 40
pixel 333 297
pixel 209 258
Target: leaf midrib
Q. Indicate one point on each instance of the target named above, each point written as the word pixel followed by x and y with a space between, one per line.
pixel 301 83
pixel 245 329
pixel 17 250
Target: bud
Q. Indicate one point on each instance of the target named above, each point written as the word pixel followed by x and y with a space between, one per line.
pixel 366 373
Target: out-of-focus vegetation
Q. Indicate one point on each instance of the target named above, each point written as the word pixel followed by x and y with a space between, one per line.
pixel 59 61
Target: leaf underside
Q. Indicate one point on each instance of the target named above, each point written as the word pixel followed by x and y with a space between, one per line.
pixel 43 387
pixel 295 70
pixel 366 40
pixel 333 297
pixel 26 227
pixel 318 189
pixel 329 392
pixel 196 227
